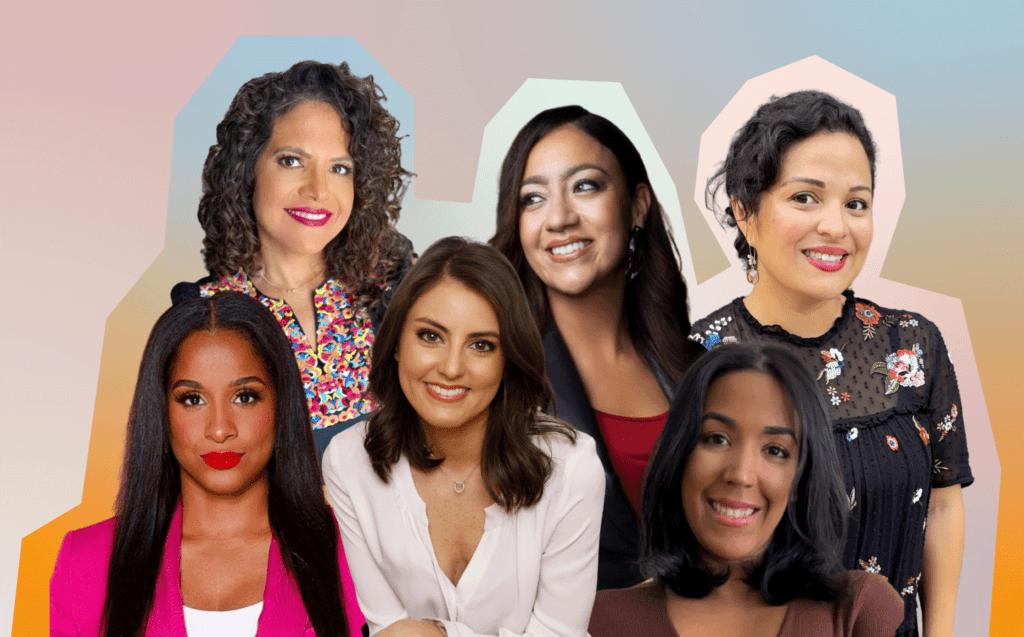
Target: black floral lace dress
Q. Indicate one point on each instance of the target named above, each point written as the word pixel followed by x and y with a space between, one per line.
pixel 897 422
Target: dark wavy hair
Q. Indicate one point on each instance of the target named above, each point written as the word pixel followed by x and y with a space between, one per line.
pixel 804 556
pixel 758 149
pixel 513 466
pixel 300 519
pixel 655 303
pixel 369 250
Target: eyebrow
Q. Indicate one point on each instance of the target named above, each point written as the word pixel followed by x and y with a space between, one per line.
pixel 193 384
pixel 821 184
pixel 444 329
pixel 569 172
pixel 301 153
pixel 771 430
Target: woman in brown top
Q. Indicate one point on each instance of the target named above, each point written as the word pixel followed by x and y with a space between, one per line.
pixel 744 514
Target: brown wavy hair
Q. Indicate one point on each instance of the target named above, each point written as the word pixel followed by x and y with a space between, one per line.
pixel 369 251
pixel 513 466
pixel 655 304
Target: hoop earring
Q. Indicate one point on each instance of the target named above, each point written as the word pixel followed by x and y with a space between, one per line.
pixel 633 253
pixel 752 266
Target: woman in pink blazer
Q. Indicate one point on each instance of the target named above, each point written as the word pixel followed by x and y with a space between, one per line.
pixel 221 524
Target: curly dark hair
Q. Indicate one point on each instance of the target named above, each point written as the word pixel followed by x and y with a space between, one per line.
pixel 369 250
pixel 758 149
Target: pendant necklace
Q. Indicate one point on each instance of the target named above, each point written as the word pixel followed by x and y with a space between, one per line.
pixel 460 485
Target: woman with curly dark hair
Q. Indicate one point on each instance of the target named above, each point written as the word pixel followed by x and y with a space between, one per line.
pixel 465 509
pixel 300 196
pixel 580 222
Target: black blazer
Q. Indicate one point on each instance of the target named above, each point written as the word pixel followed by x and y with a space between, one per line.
pixel 619 552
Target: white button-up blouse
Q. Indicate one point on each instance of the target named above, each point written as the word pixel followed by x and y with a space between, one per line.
pixel 533 573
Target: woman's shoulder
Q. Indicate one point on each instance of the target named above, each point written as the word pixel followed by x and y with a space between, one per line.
pixel 346 453
pixel 639 610
pixel 717 327
pixel 86 552
pixel 868 606
pixel 208 286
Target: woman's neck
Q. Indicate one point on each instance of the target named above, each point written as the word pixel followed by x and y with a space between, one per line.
pixel 461 447
pixel 286 272
pixel 796 314
pixel 206 514
pixel 594 320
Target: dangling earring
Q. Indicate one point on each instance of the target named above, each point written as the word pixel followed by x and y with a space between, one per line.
pixel 752 266
pixel 633 253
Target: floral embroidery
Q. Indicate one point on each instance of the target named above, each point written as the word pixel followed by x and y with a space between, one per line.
pixel 948 423
pixel 712 336
pixel 851 435
pixel 904 368
pixel 869 316
pixel 921 431
pixel 335 373
pixel 892 442
pixel 871 566
pixel 853 498
pixel 833 364
pixel 845 396
pixel 908 320
pixel 938 467
pixel 911 583
pixel 917 496
pixel 833 395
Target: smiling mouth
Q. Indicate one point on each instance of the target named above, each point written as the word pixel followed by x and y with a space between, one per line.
pixel 446 394
pixel 827 261
pixel 309 216
pixel 570 251
pixel 732 515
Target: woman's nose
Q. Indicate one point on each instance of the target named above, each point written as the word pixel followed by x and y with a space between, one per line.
pixel 561 213
pixel 833 221
pixel 315 186
pixel 741 467
pixel 451 363
pixel 221 425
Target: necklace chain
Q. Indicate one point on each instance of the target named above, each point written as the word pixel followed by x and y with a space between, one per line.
pixel 459 485
pixel 286 290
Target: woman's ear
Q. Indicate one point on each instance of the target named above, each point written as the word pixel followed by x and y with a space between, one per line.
pixel 744 223
pixel 641 204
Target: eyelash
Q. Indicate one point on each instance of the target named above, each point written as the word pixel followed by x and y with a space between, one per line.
pixel 285 162
pixel 429 336
pixel 193 399
pixel 717 439
pixel 185 398
pixel 488 346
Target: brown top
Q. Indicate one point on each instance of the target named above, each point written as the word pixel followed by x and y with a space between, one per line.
pixel 870 608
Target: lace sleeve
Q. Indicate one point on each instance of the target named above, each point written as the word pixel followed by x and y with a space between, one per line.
pixel 945 418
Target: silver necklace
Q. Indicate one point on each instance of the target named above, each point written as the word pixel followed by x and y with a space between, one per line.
pixel 286 290
pixel 460 485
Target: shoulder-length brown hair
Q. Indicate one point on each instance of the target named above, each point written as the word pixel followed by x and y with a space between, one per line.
pixel 513 466
pixel 655 303
pixel 369 250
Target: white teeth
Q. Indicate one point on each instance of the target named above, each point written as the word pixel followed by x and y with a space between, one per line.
pixel 312 216
pixel 824 257
pixel 447 393
pixel 732 513
pixel 568 248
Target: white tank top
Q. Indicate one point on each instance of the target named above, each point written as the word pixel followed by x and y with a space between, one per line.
pixel 241 622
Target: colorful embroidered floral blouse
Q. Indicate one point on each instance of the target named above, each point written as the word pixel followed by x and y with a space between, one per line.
pixel 892 391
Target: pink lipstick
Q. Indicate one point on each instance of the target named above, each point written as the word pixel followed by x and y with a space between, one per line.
pixel 446 393
pixel 315 217
pixel 826 258
pixel 732 513
pixel 222 460
pixel 565 250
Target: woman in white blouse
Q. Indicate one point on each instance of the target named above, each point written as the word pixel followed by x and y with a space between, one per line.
pixel 463 508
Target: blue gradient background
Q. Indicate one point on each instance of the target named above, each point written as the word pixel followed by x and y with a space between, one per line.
pixel 90 97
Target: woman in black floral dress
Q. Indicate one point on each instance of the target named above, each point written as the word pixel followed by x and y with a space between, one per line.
pixel 799 178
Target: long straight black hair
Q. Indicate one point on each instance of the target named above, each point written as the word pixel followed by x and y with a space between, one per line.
pixel 655 303
pixel 300 519
pixel 803 558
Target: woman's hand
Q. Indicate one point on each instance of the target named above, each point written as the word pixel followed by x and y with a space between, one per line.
pixel 411 628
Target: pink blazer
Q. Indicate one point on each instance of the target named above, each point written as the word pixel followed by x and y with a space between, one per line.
pixel 79 584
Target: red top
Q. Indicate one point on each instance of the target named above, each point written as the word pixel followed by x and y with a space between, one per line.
pixel 629 442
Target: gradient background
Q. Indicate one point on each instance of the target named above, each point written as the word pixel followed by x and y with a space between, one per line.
pixel 90 190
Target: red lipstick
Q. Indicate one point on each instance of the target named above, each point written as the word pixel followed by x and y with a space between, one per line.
pixel 314 217
pixel 832 265
pixel 222 460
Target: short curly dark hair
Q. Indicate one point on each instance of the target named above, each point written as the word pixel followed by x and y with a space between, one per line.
pixel 759 148
pixel 369 251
